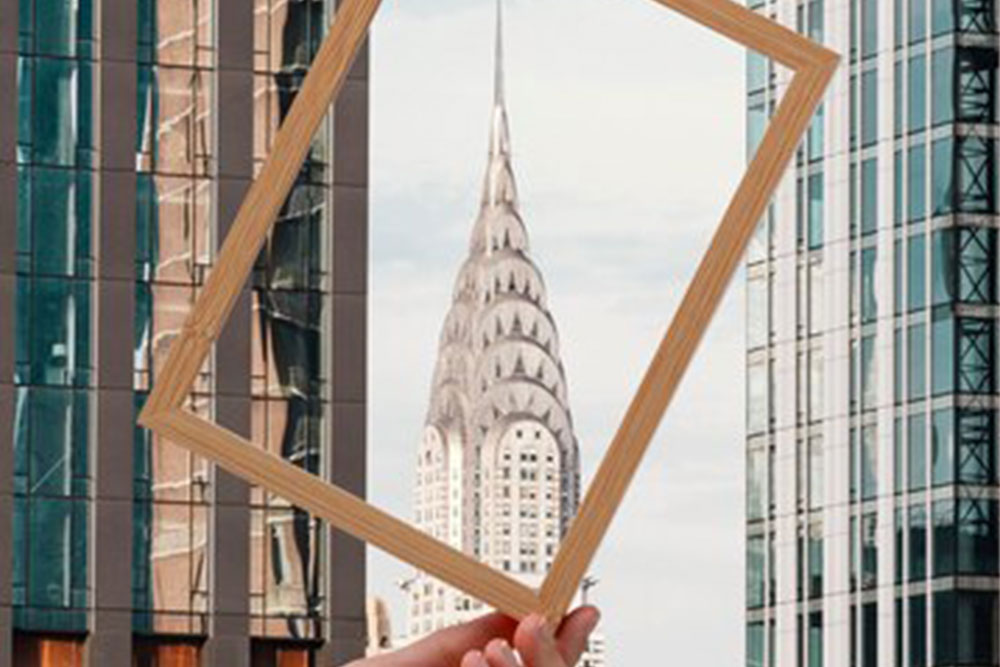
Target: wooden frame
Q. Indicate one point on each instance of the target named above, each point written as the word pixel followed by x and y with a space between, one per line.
pixel 164 412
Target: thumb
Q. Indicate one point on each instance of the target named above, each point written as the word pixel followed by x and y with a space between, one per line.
pixel 574 632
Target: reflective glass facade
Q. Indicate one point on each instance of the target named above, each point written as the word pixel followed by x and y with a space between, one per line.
pixel 124 156
pixel 880 495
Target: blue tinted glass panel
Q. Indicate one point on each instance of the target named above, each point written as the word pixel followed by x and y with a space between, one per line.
pixel 916 264
pixel 916 183
pixel 917 99
pixel 869 107
pixel 942 171
pixel 943 447
pixel 917 366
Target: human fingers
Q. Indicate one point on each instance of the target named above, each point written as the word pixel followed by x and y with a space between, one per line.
pixel 474 659
pixel 451 645
pixel 571 638
pixel 536 644
pixel 498 653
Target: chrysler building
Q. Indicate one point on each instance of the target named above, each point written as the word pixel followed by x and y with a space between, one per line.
pixel 498 471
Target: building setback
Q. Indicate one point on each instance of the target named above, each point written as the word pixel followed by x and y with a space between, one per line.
pixel 127 141
pixel 872 348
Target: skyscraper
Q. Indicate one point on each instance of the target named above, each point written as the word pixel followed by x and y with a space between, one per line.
pixel 497 466
pixel 872 348
pixel 130 134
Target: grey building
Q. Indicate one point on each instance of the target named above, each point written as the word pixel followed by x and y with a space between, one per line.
pixel 872 348
pixel 128 140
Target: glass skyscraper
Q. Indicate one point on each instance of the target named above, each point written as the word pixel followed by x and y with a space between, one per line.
pixel 872 349
pixel 128 137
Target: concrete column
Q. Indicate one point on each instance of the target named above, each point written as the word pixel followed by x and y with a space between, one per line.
pixel 110 640
pixel 8 238
pixel 229 634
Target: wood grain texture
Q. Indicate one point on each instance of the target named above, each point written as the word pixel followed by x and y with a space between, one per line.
pixel 813 66
pixel 346 511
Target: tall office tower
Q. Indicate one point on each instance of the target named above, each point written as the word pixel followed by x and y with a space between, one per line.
pixel 872 348
pixel 130 136
pixel 497 466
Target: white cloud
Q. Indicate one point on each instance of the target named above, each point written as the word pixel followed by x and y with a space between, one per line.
pixel 627 131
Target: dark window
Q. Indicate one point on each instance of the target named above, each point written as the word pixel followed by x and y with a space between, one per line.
pixel 918 541
pixel 965 628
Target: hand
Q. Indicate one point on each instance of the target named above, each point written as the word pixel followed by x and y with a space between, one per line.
pixel 486 642
pixel 537 645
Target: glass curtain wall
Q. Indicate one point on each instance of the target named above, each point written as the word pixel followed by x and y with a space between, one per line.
pixel 291 304
pixel 174 237
pixel 55 269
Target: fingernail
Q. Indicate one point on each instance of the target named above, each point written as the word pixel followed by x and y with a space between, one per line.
pixel 478 660
pixel 508 654
pixel 593 620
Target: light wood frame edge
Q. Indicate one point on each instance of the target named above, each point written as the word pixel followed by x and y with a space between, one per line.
pixel 165 415
pixel 814 67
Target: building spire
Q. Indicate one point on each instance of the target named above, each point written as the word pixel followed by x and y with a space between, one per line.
pixel 499 188
pixel 498 59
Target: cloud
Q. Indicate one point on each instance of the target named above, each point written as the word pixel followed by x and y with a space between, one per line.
pixel 627 132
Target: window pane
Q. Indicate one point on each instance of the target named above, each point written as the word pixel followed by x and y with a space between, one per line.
pixel 815 472
pixel 916 362
pixel 756 312
pixel 756 476
pixel 918 541
pixel 869 196
pixel 943 266
pixel 869 551
pixel 756 123
pixel 943 512
pixel 917 20
pixel 869 462
pixel 917 452
pixel 815 385
pixel 977 536
pixel 965 628
pixel 942 16
pixel 918 631
pixel 942 352
pixel 898 362
pixel 869 635
pixel 942 181
pixel 816 135
pixel 869 105
pixel 897 188
pixel 916 185
pixel 815 211
pixel 917 93
pixel 756 71
pixel 943 84
pixel 869 27
pixel 916 273
pixel 869 301
pixel 816 639
pixel 756 398
pixel 943 447
pixel 755 645
pixel 755 572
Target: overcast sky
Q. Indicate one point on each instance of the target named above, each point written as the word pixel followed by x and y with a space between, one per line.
pixel 627 131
